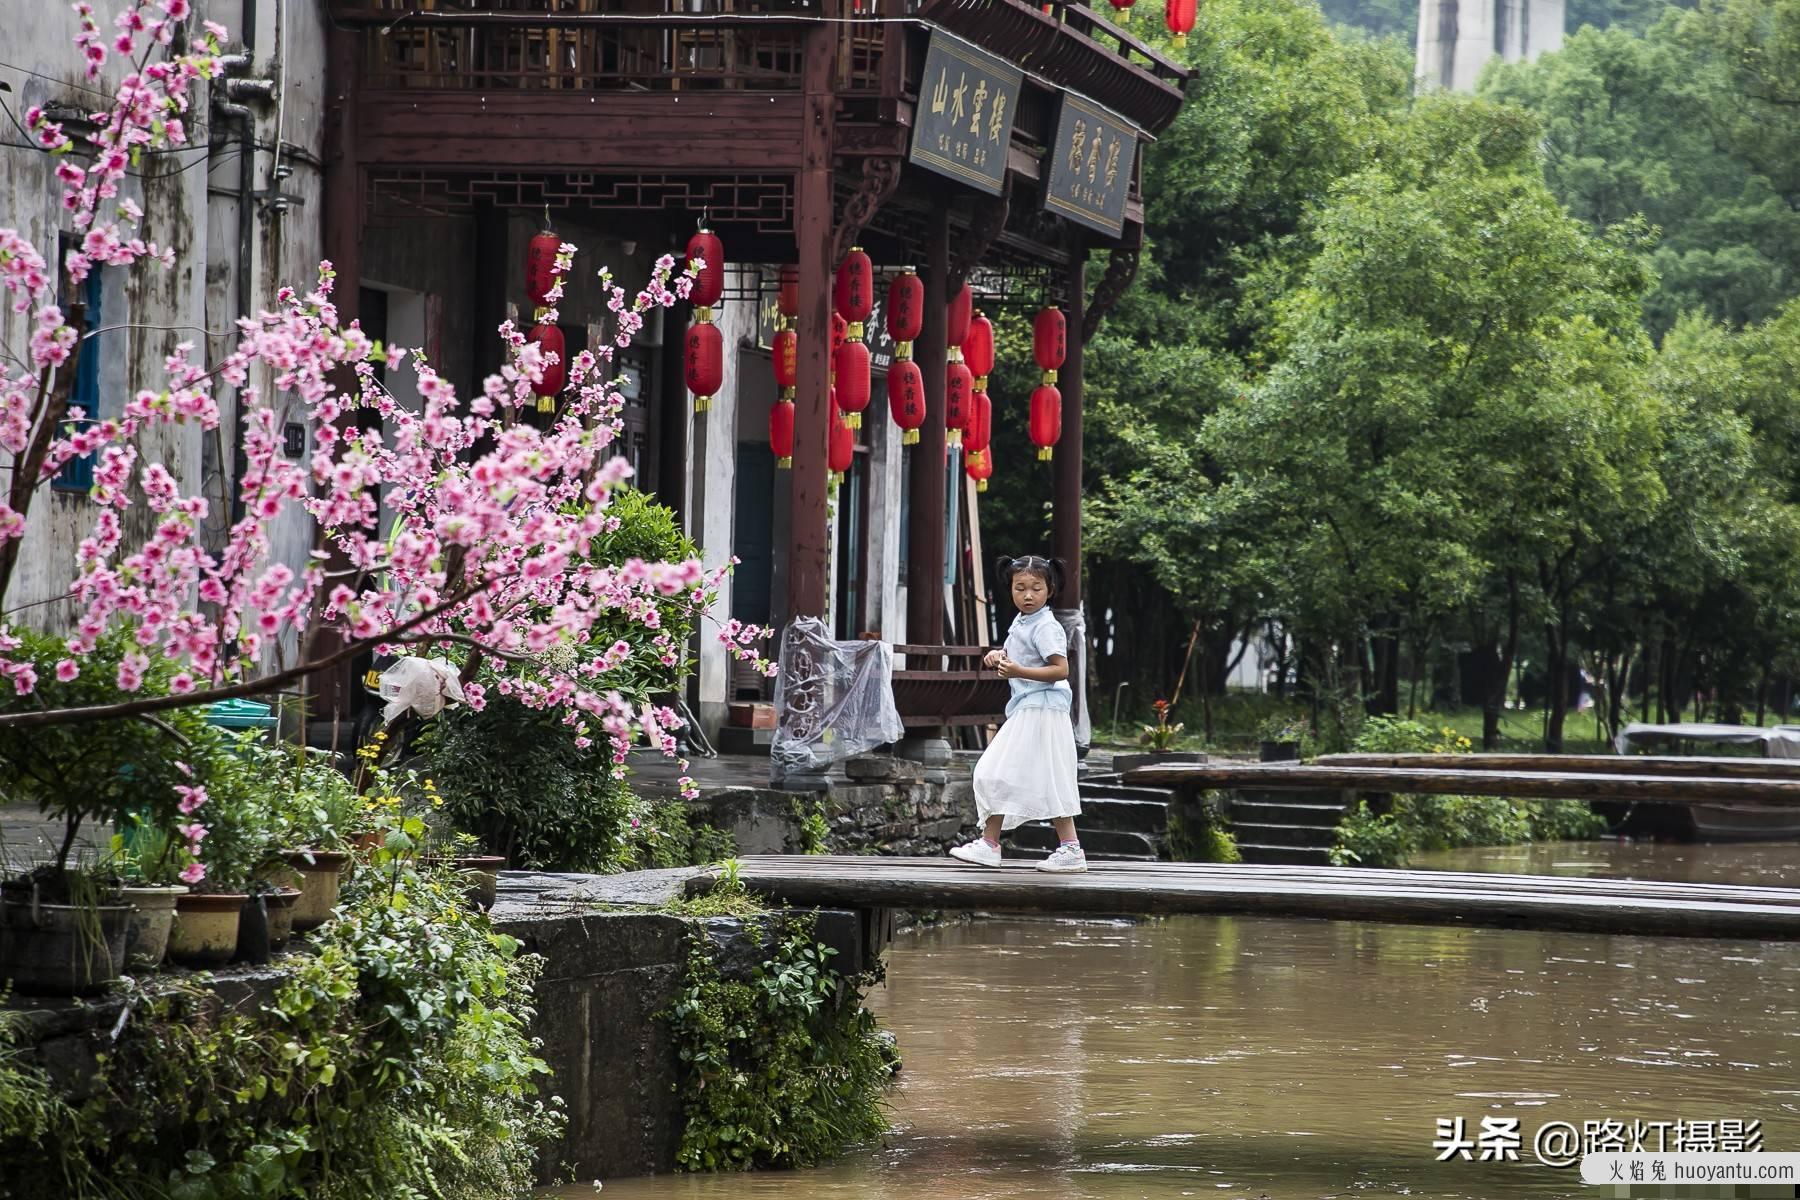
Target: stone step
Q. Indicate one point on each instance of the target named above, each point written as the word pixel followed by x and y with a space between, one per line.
pixel 1119 791
pixel 1132 816
pixel 1099 843
pixel 1264 833
pixel 1303 856
pixel 1261 812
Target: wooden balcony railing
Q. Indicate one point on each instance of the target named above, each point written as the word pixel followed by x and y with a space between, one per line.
pixel 631 45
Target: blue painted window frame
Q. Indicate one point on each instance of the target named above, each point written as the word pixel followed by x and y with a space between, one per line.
pixel 77 475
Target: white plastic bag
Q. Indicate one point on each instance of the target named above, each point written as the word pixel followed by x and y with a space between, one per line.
pixel 424 685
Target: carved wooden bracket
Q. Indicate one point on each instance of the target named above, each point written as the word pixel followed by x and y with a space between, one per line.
pixel 990 219
pixel 1121 269
pixel 880 176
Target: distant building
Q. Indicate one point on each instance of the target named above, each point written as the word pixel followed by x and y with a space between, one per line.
pixel 1458 37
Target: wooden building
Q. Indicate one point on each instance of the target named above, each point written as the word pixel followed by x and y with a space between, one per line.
pixel 989 141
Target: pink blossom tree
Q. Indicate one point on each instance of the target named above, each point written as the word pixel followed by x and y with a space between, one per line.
pixel 485 559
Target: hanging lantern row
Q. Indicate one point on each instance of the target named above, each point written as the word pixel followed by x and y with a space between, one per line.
pixel 704 359
pixel 1179 17
pixel 968 409
pixel 980 468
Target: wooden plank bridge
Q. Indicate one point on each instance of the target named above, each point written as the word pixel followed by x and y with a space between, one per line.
pixel 1636 907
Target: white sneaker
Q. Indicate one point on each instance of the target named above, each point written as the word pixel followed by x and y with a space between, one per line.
pixel 978 853
pixel 1065 860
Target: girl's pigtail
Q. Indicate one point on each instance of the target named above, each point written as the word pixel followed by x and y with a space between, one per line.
pixel 1003 571
pixel 1059 575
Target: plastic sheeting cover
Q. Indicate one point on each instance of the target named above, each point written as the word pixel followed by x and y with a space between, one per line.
pixel 1780 742
pixel 833 700
pixel 424 685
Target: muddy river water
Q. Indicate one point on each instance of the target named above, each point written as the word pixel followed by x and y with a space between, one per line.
pixel 1293 1060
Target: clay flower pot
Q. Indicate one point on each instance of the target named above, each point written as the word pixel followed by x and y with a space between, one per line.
pixel 206 928
pixel 281 917
pixel 483 872
pixel 319 872
pixel 153 916
pixel 60 949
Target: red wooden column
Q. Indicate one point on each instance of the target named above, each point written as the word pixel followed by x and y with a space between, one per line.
pixel 809 540
pixel 342 230
pixel 1065 510
pixel 926 470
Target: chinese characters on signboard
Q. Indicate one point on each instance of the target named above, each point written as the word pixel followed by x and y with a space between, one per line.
pixel 965 116
pixel 1090 163
pixel 881 346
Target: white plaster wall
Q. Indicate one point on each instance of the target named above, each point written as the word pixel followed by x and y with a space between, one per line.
pixel 713 464
pixel 146 311
pixel 1530 28
pixel 887 472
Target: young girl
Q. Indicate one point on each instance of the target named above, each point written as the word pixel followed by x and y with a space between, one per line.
pixel 1028 773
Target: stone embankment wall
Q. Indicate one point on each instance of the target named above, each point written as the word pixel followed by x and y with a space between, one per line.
pixel 884 806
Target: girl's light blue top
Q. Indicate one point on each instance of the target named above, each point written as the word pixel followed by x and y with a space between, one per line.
pixel 1032 642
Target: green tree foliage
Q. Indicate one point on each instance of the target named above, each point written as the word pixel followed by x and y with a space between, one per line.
pixel 1657 126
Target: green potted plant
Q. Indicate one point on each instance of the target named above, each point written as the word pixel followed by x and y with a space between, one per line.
pixel 150 860
pixel 1159 740
pixel 1283 739
pixel 317 813
pixel 64 922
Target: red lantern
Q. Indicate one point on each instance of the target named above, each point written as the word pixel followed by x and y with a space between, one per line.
pixel 1050 341
pixel 1179 16
pixel 549 339
pixel 981 423
pixel 840 333
pixel 905 311
pixel 959 388
pixel 851 362
pixel 787 299
pixel 1124 8
pixel 1046 419
pixel 906 398
pixel 962 308
pixel 704 362
pixel 978 350
pixel 785 355
pixel 540 266
pixel 781 433
pixel 709 282
pixel 841 451
pixel 980 468
pixel 854 293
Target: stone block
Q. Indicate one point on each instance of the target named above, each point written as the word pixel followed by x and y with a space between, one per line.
pixel 884 768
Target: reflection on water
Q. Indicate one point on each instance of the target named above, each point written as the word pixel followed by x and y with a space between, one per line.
pixel 1288 1060
pixel 1770 864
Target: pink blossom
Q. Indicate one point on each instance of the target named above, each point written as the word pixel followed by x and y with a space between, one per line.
pixel 193 873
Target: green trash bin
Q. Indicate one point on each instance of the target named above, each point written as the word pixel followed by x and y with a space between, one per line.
pixel 241 714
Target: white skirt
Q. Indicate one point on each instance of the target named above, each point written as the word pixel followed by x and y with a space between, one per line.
pixel 1028 772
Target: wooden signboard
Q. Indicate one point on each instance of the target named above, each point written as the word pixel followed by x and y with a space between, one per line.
pixel 964 122
pixel 1090 166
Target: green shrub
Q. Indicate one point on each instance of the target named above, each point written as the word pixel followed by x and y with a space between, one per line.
pixel 393 1062
pixel 784 1070
pixel 101 771
pixel 1197 832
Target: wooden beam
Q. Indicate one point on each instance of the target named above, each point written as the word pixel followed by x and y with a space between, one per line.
pixel 1422 898
pixel 1543 785
pixel 809 541
pixel 1702 766
pixel 677 132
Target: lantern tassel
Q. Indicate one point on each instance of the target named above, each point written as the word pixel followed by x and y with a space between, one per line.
pixel 546 404
pixel 853 420
pixel 910 438
pixel 953 437
pixel 702 403
pixel 784 463
pixel 1045 453
pixel 981 485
